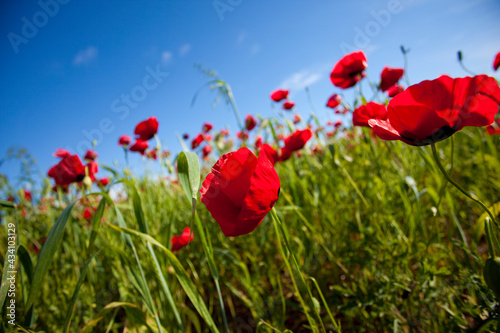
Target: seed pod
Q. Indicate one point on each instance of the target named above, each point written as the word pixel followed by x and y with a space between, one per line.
pixel 491 274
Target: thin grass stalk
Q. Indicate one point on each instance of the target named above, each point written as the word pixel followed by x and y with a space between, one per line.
pixel 277 227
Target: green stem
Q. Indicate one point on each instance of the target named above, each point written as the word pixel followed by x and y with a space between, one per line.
pixel 207 248
pixel 235 108
pixel 277 227
pixel 443 171
pixel 488 238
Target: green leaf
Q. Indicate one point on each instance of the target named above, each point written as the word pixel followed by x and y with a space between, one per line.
pixel 7 204
pixel 188 167
pixel 47 254
pixel 181 275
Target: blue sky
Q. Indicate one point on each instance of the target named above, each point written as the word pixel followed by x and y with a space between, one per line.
pixel 65 79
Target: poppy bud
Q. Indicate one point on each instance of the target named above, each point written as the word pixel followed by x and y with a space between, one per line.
pixel 87 182
pixel 491 274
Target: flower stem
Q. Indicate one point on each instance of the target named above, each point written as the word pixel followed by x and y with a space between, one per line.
pixel 448 178
pixel 278 226
pixel 488 238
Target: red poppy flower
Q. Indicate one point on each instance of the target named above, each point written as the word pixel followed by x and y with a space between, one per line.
pixel 36 248
pixel 27 195
pixel 185 136
pixel 250 122
pixel 146 129
pixel 197 141
pixel 224 132
pixel 152 154
pixel 493 129
pixel 285 154
pixel 178 242
pixel 389 77
pixel 207 127
pixel 338 123
pixel 272 154
pixel 62 153
pixel 87 213
pixel 258 142
pixel 496 62
pixel 242 135
pixel 279 95
pixel 90 155
pixel 288 105
pixel 394 90
pixel 432 111
pixel 92 168
pixel 69 170
pixel 103 182
pixel 124 140
pixel 240 191
pixel 139 146
pixel 298 139
pixel 369 111
pixel 349 70
pixel 334 101
pixel 206 150
pixel 296 119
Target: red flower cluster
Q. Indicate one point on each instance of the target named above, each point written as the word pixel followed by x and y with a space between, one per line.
pixel 432 111
pixel 240 191
pixel 71 170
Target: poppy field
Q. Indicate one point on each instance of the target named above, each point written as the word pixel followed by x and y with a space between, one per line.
pixel 386 221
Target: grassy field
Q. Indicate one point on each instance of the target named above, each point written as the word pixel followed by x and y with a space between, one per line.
pixel 381 242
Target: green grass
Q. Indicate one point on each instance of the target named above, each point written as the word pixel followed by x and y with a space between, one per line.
pixel 370 221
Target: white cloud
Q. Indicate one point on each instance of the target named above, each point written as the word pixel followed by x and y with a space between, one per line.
pixel 166 57
pixel 300 80
pixel 241 38
pixel 85 56
pixel 255 49
pixel 184 49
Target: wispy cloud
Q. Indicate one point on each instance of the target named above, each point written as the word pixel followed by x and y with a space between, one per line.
pixel 184 49
pixel 465 6
pixel 255 49
pixel 166 57
pixel 301 79
pixel 241 38
pixel 86 56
